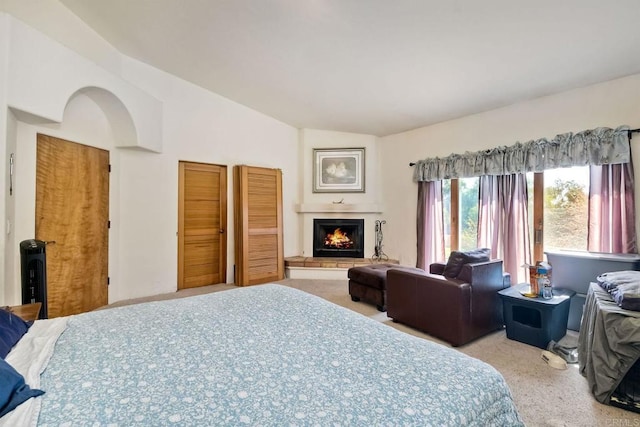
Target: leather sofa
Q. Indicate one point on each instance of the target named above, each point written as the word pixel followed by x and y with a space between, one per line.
pixel 456 310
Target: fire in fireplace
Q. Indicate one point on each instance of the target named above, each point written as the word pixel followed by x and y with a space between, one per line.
pixel 338 238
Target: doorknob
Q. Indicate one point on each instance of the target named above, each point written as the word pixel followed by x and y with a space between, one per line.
pixel 222 231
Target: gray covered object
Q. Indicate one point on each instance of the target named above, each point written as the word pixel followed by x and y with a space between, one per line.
pixel 609 342
pixel 624 287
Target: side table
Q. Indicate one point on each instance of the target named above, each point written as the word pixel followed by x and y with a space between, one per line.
pixel 535 321
pixel 27 312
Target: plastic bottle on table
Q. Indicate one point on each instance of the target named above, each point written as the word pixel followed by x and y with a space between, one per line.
pixel 546 292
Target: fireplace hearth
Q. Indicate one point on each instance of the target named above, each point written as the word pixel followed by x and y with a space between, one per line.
pixel 338 238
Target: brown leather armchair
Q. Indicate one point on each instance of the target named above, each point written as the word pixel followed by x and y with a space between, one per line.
pixel 456 310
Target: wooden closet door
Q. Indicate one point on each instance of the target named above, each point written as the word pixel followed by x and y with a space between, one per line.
pixel 202 223
pixel 259 248
pixel 72 210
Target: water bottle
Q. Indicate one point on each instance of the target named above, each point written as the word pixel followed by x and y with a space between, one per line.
pixel 546 290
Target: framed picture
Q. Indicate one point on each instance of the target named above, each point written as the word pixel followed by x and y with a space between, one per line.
pixel 338 170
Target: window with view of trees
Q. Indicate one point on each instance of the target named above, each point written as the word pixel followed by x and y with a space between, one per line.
pixel 447 215
pixel 564 210
pixel 468 213
pixel 461 229
pixel 566 204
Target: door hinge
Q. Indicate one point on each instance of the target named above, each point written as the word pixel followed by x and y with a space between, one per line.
pixel 108 224
pixel 108 280
pixel 109 167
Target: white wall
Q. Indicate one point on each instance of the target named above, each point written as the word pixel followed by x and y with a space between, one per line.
pixel 193 124
pixel 44 74
pixel 10 261
pixel 7 129
pixel 54 20
pixel 608 104
pixel 198 126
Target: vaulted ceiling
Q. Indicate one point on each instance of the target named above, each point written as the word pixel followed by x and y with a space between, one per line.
pixel 375 66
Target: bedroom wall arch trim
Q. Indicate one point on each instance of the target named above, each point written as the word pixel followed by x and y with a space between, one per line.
pixel 43 75
pixel 122 124
pixel 120 120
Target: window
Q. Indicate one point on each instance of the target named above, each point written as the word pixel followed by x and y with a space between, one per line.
pixel 446 213
pixel 468 213
pixel 558 210
pixel 566 208
pixel 460 206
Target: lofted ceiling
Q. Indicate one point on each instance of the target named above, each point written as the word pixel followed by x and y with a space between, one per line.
pixel 375 66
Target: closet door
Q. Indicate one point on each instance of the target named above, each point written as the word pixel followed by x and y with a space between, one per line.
pixel 259 249
pixel 72 210
pixel 202 223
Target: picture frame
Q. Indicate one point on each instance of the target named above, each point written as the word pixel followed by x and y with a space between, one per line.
pixel 338 170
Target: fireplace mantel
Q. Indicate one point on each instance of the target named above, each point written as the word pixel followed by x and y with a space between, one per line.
pixel 339 207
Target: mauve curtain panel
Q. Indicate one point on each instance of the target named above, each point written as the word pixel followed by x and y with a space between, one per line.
pixel 503 221
pixel 612 209
pixel 430 224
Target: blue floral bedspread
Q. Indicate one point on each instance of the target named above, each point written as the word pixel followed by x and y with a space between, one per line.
pixel 262 355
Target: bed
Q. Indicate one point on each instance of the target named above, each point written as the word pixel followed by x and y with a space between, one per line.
pixel 261 355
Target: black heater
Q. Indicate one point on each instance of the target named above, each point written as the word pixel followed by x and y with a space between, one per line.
pixel 33 263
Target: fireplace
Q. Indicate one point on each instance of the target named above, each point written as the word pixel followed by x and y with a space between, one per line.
pixel 338 238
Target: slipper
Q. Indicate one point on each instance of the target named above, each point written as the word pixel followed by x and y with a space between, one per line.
pixel 554 360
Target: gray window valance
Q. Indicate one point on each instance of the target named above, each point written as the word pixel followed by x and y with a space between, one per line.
pixel 590 147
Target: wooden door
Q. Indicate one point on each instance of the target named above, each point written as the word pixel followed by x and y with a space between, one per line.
pixel 259 248
pixel 72 210
pixel 202 223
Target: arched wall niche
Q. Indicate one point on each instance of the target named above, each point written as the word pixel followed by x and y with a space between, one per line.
pixel 92 116
pixel 119 117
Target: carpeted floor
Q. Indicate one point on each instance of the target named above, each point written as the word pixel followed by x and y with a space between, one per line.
pixel 544 396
